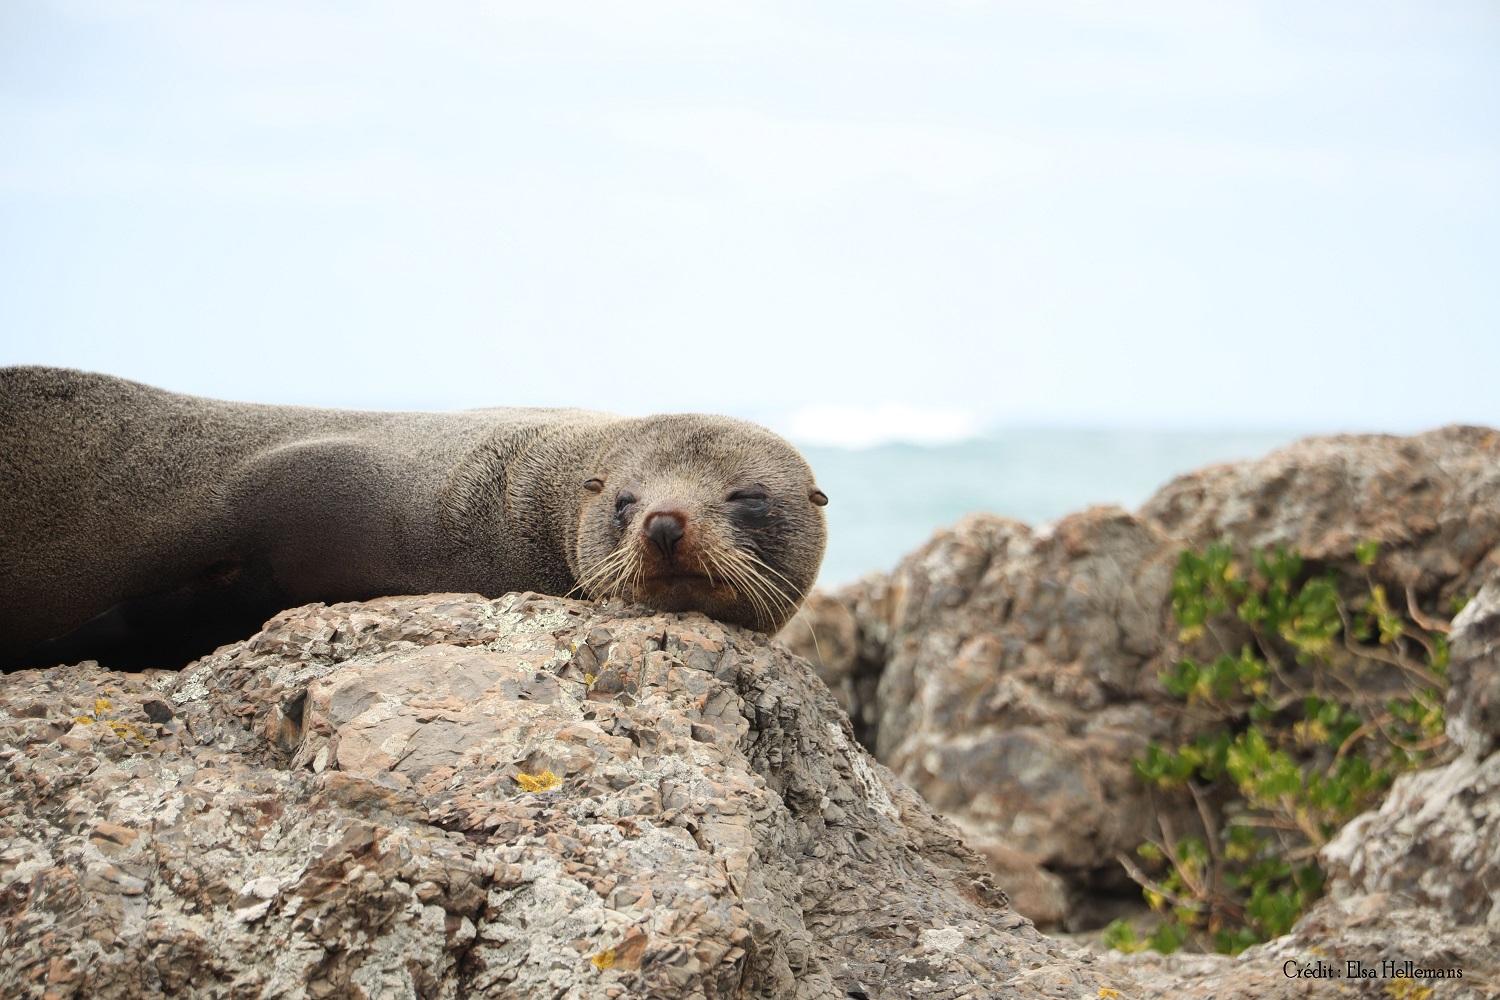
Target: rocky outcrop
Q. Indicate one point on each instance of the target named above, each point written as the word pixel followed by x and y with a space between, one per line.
pixel 448 796
pixel 1435 840
pixel 1428 499
pixel 1016 685
pixel 1473 707
pixel 1010 673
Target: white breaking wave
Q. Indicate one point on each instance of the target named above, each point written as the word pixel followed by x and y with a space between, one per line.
pixel 885 423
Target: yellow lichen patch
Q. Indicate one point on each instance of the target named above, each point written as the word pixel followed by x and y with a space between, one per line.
pixel 1407 989
pixel 127 730
pixel 546 781
pixel 124 730
pixel 1108 993
pixel 604 960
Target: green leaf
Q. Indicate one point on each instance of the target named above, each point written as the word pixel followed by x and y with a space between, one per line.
pixel 1121 936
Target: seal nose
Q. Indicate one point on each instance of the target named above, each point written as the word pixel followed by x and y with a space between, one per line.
pixel 664 528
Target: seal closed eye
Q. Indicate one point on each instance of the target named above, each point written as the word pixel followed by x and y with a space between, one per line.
pixel 143 528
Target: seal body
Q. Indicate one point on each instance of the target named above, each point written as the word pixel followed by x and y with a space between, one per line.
pixel 141 527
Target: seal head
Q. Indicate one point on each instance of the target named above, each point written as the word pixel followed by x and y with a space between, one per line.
pixel 695 513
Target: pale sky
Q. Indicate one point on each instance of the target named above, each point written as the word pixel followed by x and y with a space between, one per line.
pixel 852 221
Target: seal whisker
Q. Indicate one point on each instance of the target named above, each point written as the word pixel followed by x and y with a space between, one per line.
pixel 734 579
pixel 708 555
pixel 725 574
pixel 624 573
pixel 745 575
pixel 599 572
pixel 599 566
pixel 706 571
pixel 766 586
pixel 769 588
pixel 817 647
pixel 638 571
pixel 768 567
pixel 749 586
pixel 611 572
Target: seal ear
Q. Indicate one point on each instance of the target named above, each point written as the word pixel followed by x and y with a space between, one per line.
pixel 594 485
pixel 818 497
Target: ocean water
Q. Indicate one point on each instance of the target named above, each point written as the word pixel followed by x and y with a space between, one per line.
pixel 884 501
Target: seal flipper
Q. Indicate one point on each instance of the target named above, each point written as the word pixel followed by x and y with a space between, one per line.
pixel 228 601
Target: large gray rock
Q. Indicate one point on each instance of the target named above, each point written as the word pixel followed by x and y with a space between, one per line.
pixel 1009 673
pixel 1473 707
pixel 1435 840
pixel 448 796
pixel 1429 499
pixel 1013 673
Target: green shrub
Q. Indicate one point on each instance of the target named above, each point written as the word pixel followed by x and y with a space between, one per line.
pixel 1316 693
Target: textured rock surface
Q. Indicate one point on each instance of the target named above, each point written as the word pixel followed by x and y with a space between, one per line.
pixel 1016 672
pixel 1369 929
pixel 1429 499
pixel 338 807
pixel 1435 840
pixel 1009 673
pixel 1473 707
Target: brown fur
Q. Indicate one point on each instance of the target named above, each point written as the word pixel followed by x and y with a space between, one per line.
pixel 142 527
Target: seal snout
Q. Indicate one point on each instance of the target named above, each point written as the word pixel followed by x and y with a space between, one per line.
pixel 675 568
pixel 664 529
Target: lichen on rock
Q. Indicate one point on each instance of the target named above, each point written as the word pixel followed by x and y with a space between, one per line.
pixel 336 807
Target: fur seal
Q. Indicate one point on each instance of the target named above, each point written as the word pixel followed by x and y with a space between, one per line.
pixel 142 527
